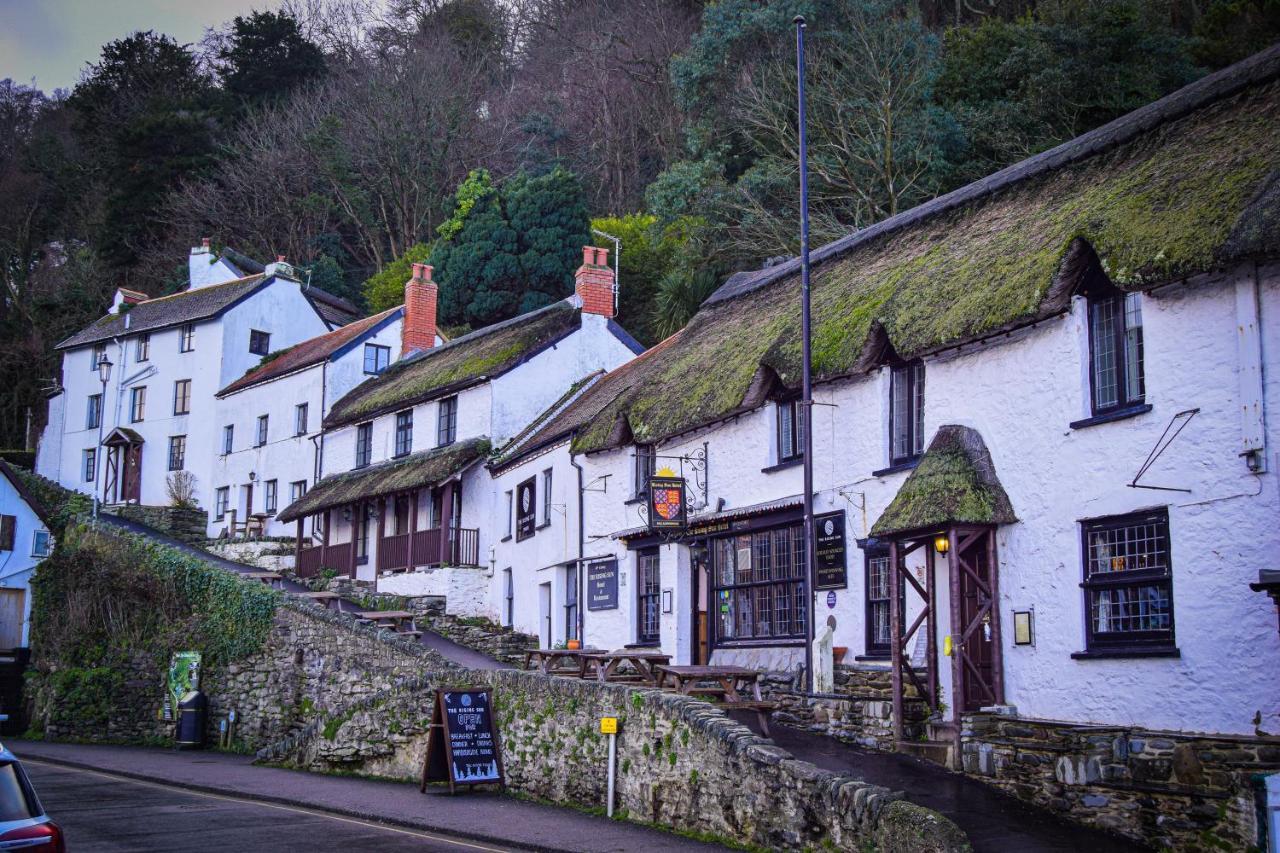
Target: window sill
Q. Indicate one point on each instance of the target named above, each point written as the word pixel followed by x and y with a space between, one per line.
pixel 782 466
pixel 1117 415
pixel 873 658
pixel 644 645
pixel 894 469
pixel 1128 652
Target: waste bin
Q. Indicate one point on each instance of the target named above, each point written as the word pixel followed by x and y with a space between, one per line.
pixel 193 708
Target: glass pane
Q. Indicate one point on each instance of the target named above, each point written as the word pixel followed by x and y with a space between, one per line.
pixel 917 410
pixel 742 545
pixel 898 427
pixel 1141 546
pixel 1128 609
pixel 1102 340
pixel 1135 388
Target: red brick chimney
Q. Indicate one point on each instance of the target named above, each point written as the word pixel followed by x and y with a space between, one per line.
pixel 418 331
pixel 593 282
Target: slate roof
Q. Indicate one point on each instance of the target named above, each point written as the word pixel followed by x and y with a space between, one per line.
pixel 310 352
pixel 334 310
pixel 1185 185
pixel 164 311
pixel 465 361
pixel 955 482
pixel 415 471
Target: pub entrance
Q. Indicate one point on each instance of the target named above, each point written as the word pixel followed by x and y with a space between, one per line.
pixel 700 646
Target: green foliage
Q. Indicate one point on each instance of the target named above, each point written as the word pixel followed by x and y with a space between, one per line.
pixel 385 288
pixel 266 58
pixel 85 693
pixel 20 458
pixel 1230 30
pixel 327 274
pixel 61 504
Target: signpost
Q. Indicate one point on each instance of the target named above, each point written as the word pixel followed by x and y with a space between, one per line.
pixel 609 726
pixel 602 584
pixel 829 554
pixel 463 746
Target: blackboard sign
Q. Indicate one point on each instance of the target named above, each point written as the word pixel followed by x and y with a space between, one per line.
pixel 829 555
pixel 602 585
pixel 463 747
pixel 526 508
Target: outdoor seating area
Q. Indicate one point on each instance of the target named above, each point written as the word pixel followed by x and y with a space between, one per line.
pixel 399 621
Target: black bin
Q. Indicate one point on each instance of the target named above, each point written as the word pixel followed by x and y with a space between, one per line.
pixel 193 709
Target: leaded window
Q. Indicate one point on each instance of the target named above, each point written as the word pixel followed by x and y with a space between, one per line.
pixel 364 444
pixel 404 432
pixel 790 431
pixel 649 583
pixel 447 424
pixel 906 413
pixel 1128 582
pixel 759 585
pixel 259 342
pixel 1115 352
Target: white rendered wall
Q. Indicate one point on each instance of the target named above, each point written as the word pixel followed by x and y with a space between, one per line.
pixel 17 566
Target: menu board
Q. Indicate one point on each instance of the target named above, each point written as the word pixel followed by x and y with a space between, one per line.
pixel 602 585
pixel 463 747
pixel 829 553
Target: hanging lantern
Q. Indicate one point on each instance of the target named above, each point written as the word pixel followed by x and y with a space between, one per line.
pixel 942 544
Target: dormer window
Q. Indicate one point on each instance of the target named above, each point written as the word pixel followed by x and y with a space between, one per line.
pixel 644 466
pixel 906 413
pixel 790 431
pixel 1115 352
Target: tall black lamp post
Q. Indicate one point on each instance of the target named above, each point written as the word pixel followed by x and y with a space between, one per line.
pixel 104 374
pixel 806 403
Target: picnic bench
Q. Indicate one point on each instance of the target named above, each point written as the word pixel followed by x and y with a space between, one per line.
pixel 738 687
pixel 606 666
pixel 557 661
pixel 322 598
pixel 268 578
pixel 400 621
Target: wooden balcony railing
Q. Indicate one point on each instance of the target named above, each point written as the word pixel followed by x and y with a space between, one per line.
pixel 309 562
pixel 393 552
pixel 460 547
pixel 312 560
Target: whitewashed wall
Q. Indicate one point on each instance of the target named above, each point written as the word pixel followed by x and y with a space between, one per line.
pixel 18 566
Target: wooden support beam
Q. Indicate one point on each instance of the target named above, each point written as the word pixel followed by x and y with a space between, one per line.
pixel 895 632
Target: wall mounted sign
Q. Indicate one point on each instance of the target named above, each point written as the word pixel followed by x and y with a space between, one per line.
pixel 183 677
pixel 602 585
pixel 463 747
pixel 829 552
pixel 1024 632
pixel 667 510
pixel 526 508
pixel 831 600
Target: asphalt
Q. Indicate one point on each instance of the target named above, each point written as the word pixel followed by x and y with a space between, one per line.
pixel 139 798
pixel 448 649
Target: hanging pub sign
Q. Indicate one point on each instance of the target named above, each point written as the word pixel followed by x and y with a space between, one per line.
pixel 463 746
pixel 667 511
pixel 526 508
pixel 829 551
pixel 602 585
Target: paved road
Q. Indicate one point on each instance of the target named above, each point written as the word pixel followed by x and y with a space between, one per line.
pixel 451 651
pixel 108 814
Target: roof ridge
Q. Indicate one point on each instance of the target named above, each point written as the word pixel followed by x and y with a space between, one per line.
pixel 513 448
pixel 190 290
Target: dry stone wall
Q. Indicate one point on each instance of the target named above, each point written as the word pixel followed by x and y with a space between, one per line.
pixel 185 524
pixel 859 710
pixel 682 763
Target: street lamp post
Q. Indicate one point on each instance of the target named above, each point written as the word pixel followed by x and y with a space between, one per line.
pixel 104 374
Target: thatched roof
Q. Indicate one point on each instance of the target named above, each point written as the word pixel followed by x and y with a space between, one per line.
pixel 954 483
pixel 415 471
pixel 1183 186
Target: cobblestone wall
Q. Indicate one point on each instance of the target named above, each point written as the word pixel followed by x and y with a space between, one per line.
pixel 1186 792
pixel 681 763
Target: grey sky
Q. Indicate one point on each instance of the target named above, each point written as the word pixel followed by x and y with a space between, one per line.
pixel 52 40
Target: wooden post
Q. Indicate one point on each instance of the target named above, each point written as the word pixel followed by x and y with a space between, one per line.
pixel 957 643
pixel 324 539
pixel 413 525
pixel 895 647
pixel 297 551
pixel 357 521
pixel 997 649
pixel 931 641
pixel 446 522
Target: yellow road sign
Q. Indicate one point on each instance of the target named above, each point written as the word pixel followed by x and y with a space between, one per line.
pixel 608 725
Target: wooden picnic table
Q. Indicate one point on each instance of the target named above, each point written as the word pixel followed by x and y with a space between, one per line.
pixel 557 661
pixel 605 665
pixel 324 598
pixel 268 578
pixel 731 683
pixel 400 620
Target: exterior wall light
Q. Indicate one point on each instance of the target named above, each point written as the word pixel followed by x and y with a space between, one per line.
pixel 942 544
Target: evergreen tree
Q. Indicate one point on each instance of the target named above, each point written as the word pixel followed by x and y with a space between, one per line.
pixel 266 58
pixel 385 289
pixel 549 216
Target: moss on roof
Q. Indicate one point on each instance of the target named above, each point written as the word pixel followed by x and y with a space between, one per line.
pixel 487 352
pixel 412 472
pixel 954 483
pixel 1177 199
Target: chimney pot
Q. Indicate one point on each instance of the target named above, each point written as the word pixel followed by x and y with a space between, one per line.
pixel 588 255
pixel 594 283
pixel 602 257
pixel 206 243
pixel 418 328
pixel 279 259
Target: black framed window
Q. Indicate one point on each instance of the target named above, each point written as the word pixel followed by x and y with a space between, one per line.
pixel 187 338
pixel 137 404
pixel 259 342
pixel 376 358
pixel 758 584
pixel 790 431
pixel 571 603
pixel 143 348
pixel 404 432
pixel 1128 583
pixel 93 412
pixel 1115 352
pixel 297 490
pixel 645 464
pixel 263 422
pixel 447 423
pixel 228 438
pixel 546 497
pixel 906 413
pixel 364 444
pixel 649 593
pixel 270 494
pixel 90 465
pixel 177 452
pixel 879 632
pixel 182 397
pixel 300 419
pixel 508 598
pixel 221 502
pixel 361 535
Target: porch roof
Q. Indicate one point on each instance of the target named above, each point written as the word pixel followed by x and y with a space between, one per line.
pixel 954 483
pixel 412 472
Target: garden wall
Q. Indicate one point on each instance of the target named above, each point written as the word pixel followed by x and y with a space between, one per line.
pixel 859 710
pixel 182 523
pixel 682 763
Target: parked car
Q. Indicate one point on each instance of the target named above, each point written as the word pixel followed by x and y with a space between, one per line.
pixel 23 823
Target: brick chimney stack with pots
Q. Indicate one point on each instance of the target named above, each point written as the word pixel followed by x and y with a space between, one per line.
pixel 594 282
pixel 418 331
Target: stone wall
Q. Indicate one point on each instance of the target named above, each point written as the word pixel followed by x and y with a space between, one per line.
pixel 1182 791
pixel 859 710
pixel 464 588
pixel 682 763
pixel 186 524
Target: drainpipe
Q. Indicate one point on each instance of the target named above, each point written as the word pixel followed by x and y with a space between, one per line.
pixel 582 549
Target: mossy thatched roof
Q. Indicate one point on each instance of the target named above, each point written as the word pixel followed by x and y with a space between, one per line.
pixel 460 363
pixel 954 483
pixel 397 475
pixel 1180 187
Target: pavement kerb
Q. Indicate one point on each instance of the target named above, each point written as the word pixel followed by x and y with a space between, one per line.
pixel 303 804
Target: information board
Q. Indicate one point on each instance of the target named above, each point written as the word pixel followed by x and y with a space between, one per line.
pixel 463 747
pixel 829 553
pixel 183 676
pixel 602 585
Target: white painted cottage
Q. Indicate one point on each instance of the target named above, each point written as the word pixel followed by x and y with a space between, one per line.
pixel 25 540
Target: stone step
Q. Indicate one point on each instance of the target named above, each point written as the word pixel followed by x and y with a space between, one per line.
pixel 937 751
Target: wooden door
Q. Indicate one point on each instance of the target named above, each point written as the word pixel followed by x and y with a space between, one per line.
pixel 979 629
pixel 12 604
pixel 700 651
pixel 132 474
